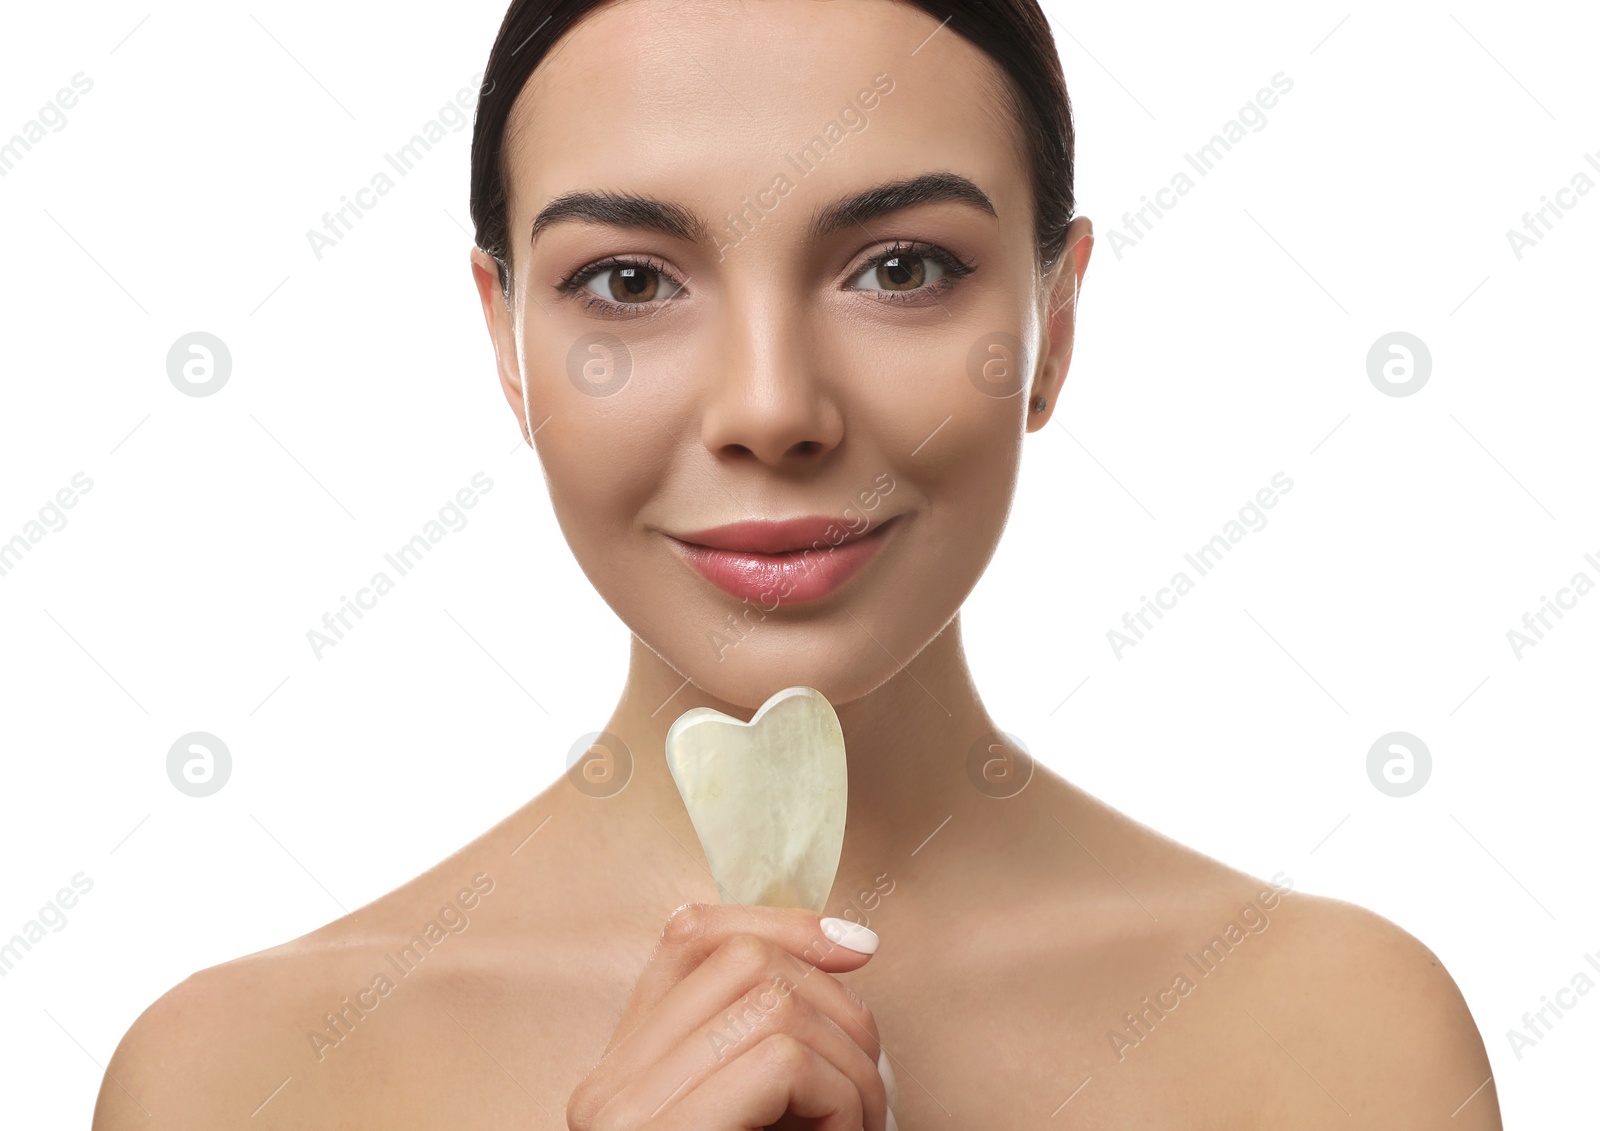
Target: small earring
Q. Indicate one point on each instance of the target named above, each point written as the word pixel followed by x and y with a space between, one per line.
pixel 1039 404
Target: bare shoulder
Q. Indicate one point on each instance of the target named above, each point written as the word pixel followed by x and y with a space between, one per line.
pixel 194 1056
pixel 478 979
pixel 327 1014
pixel 1370 1024
pixel 1282 1007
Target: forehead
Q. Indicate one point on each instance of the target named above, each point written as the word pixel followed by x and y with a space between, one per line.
pixel 707 101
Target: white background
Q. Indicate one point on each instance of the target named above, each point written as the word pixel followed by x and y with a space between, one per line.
pixel 1228 344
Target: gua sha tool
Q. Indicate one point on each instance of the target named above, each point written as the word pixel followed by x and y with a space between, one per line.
pixel 767 797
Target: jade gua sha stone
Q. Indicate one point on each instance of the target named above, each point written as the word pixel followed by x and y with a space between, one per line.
pixel 767 797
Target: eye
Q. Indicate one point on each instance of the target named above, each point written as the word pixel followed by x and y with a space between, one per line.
pixel 630 284
pixel 905 270
pixel 614 284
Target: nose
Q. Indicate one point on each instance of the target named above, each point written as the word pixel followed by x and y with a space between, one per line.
pixel 764 400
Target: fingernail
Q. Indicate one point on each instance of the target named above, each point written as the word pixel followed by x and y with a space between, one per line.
pixel 886 1070
pixel 889 1123
pixel 852 935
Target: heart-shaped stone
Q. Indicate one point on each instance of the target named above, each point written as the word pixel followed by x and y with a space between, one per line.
pixel 767 797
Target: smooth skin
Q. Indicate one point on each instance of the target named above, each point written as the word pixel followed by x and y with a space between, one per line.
pixel 779 375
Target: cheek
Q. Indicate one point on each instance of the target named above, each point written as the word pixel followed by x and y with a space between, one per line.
pixel 591 397
pixel 968 472
pixel 942 412
pixel 922 395
pixel 968 447
pixel 601 469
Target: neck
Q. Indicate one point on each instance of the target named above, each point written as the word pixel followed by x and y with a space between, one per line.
pixel 906 741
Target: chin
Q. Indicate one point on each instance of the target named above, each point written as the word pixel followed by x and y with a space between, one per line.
pixel 832 655
pixel 751 681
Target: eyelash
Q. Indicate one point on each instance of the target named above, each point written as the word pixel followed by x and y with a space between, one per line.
pixel 573 284
pixel 954 268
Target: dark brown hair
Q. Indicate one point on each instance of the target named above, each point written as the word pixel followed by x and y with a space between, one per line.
pixel 1013 33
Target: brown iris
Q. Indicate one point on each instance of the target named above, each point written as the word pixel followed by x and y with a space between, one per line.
pixel 633 284
pixel 901 272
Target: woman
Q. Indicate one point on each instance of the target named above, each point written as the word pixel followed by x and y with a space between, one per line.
pixel 809 297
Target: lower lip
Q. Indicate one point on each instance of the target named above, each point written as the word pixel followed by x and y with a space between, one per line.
pixel 775 579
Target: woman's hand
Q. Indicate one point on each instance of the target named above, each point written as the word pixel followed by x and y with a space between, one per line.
pixel 736 1021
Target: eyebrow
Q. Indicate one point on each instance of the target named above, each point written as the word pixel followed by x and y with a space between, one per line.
pixel 628 210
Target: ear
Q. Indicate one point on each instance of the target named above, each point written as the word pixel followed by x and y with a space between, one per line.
pixel 1061 320
pixel 497 315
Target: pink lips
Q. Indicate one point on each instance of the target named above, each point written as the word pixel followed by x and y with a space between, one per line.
pixel 800 559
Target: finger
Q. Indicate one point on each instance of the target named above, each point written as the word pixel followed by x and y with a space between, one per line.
pixel 738 990
pixel 654 1063
pixel 695 930
pixel 778 1076
pixel 745 964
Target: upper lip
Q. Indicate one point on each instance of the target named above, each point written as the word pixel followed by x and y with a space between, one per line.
pixel 778 537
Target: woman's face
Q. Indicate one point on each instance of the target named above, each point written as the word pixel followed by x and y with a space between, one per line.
pixel 789 274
